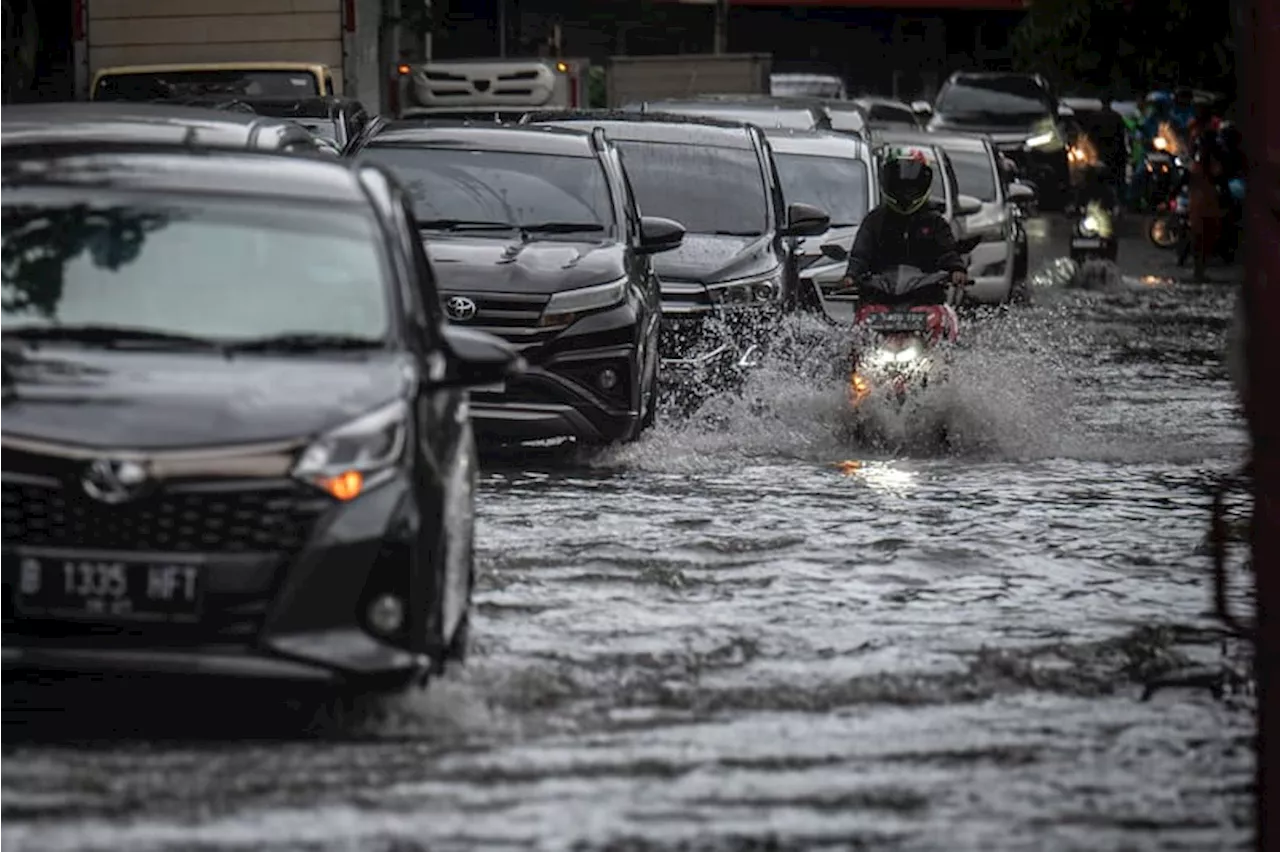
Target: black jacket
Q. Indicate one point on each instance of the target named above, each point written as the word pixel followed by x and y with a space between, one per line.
pixel 886 239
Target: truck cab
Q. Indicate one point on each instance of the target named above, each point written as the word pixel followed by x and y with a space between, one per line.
pixel 473 86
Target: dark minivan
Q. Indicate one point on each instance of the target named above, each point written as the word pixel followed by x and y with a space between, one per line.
pixel 720 181
pixel 234 440
pixel 536 236
pixel 1020 114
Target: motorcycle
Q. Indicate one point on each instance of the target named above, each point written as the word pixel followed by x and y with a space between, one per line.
pixel 903 316
pixel 1170 226
pixel 1093 232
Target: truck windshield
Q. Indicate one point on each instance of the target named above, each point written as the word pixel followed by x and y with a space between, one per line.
pixel 708 190
pixel 158 85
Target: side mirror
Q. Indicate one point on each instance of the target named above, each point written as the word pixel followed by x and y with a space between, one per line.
pixel 834 251
pixel 805 220
pixel 658 235
pixel 1020 193
pixel 967 205
pixel 968 244
pixel 473 358
pixel 922 108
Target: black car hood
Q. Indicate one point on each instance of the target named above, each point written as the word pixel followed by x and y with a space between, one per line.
pixel 478 265
pixel 135 400
pixel 708 259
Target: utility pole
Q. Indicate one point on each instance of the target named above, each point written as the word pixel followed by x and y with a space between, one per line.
pixel 722 27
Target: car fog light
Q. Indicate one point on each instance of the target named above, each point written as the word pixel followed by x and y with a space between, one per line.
pixel 386 614
pixel 607 379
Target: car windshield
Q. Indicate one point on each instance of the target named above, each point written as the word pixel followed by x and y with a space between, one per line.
pixel 499 187
pixel 806 87
pixel 156 85
pixel 796 119
pixel 707 189
pixel 975 173
pixel 1011 100
pixel 226 270
pixel 837 185
pixel 889 114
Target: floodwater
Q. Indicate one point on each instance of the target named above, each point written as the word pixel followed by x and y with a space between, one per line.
pixel 747 632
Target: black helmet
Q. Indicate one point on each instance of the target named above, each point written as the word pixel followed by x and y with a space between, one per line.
pixel 905 179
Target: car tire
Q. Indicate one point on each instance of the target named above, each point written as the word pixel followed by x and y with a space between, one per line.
pixel 455 645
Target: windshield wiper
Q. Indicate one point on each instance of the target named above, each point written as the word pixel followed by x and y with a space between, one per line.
pixel 562 227
pixel 842 224
pixel 113 336
pixel 305 342
pixel 462 225
pixel 735 233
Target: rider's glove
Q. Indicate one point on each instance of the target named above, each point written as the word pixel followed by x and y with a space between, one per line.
pixel 960 279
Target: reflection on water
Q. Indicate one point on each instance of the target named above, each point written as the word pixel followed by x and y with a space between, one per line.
pixel 713 636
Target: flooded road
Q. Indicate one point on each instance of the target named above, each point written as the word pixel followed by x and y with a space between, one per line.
pixel 747 633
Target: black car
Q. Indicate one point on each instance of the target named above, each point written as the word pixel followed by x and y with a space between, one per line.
pixel 1021 115
pixel 738 259
pixel 535 235
pixel 338 120
pixel 129 122
pixel 234 440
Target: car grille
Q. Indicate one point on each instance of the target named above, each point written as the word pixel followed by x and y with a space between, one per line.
pixel 511 316
pixel 260 523
pixel 682 298
pixel 173 521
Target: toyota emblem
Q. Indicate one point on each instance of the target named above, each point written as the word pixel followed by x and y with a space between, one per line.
pixel 460 308
pixel 112 481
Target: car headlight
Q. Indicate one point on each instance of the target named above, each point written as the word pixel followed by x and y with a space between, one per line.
pixel 360 455
pixel 1047 139
pixel 748 291
pixel 563 308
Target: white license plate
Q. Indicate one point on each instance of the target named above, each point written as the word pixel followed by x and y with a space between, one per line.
pixel 1087 242
pixel 108 588
pixel 499 387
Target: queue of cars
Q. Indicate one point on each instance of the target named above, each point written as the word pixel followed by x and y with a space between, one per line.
pixel 245 378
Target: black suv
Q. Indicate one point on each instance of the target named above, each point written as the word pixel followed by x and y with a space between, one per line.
pixel 1022 116
pixel 739 257
pixel 233 442
pixel 536 236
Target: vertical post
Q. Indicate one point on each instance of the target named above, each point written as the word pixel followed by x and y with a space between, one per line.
pixel 722 27
pixel 428 38
pixel 502 29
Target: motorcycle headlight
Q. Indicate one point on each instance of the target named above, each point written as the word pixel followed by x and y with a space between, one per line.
pixel 748 291
pixel 563 308
pixel 1160 143
pixel 360 455
pixel 1089 226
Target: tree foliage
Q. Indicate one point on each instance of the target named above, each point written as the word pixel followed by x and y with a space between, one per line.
pixel 1127 46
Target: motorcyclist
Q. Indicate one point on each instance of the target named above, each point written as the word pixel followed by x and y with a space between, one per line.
pixel 903 230
pixel 1104 180
pixel 1184 109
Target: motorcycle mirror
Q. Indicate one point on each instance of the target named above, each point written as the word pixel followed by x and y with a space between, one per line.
pixel 922 108
pixel 835 251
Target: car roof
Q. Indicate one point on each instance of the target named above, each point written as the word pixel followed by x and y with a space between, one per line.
pixel 657 127
pixel 818 143
pixel 959 141
pixel 181 171
pixel 565 142
pixel 138 123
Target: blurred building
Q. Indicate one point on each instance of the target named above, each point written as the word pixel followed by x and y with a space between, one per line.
pixel 902 47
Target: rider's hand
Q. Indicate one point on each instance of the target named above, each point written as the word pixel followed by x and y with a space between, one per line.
pixel 960 279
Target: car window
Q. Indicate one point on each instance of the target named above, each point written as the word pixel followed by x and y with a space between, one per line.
pixel 515 188
pixel 890 114
pixel 226 269
pixel 709 190
pixel 975 174
pixel 847 120
pixel 837 185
